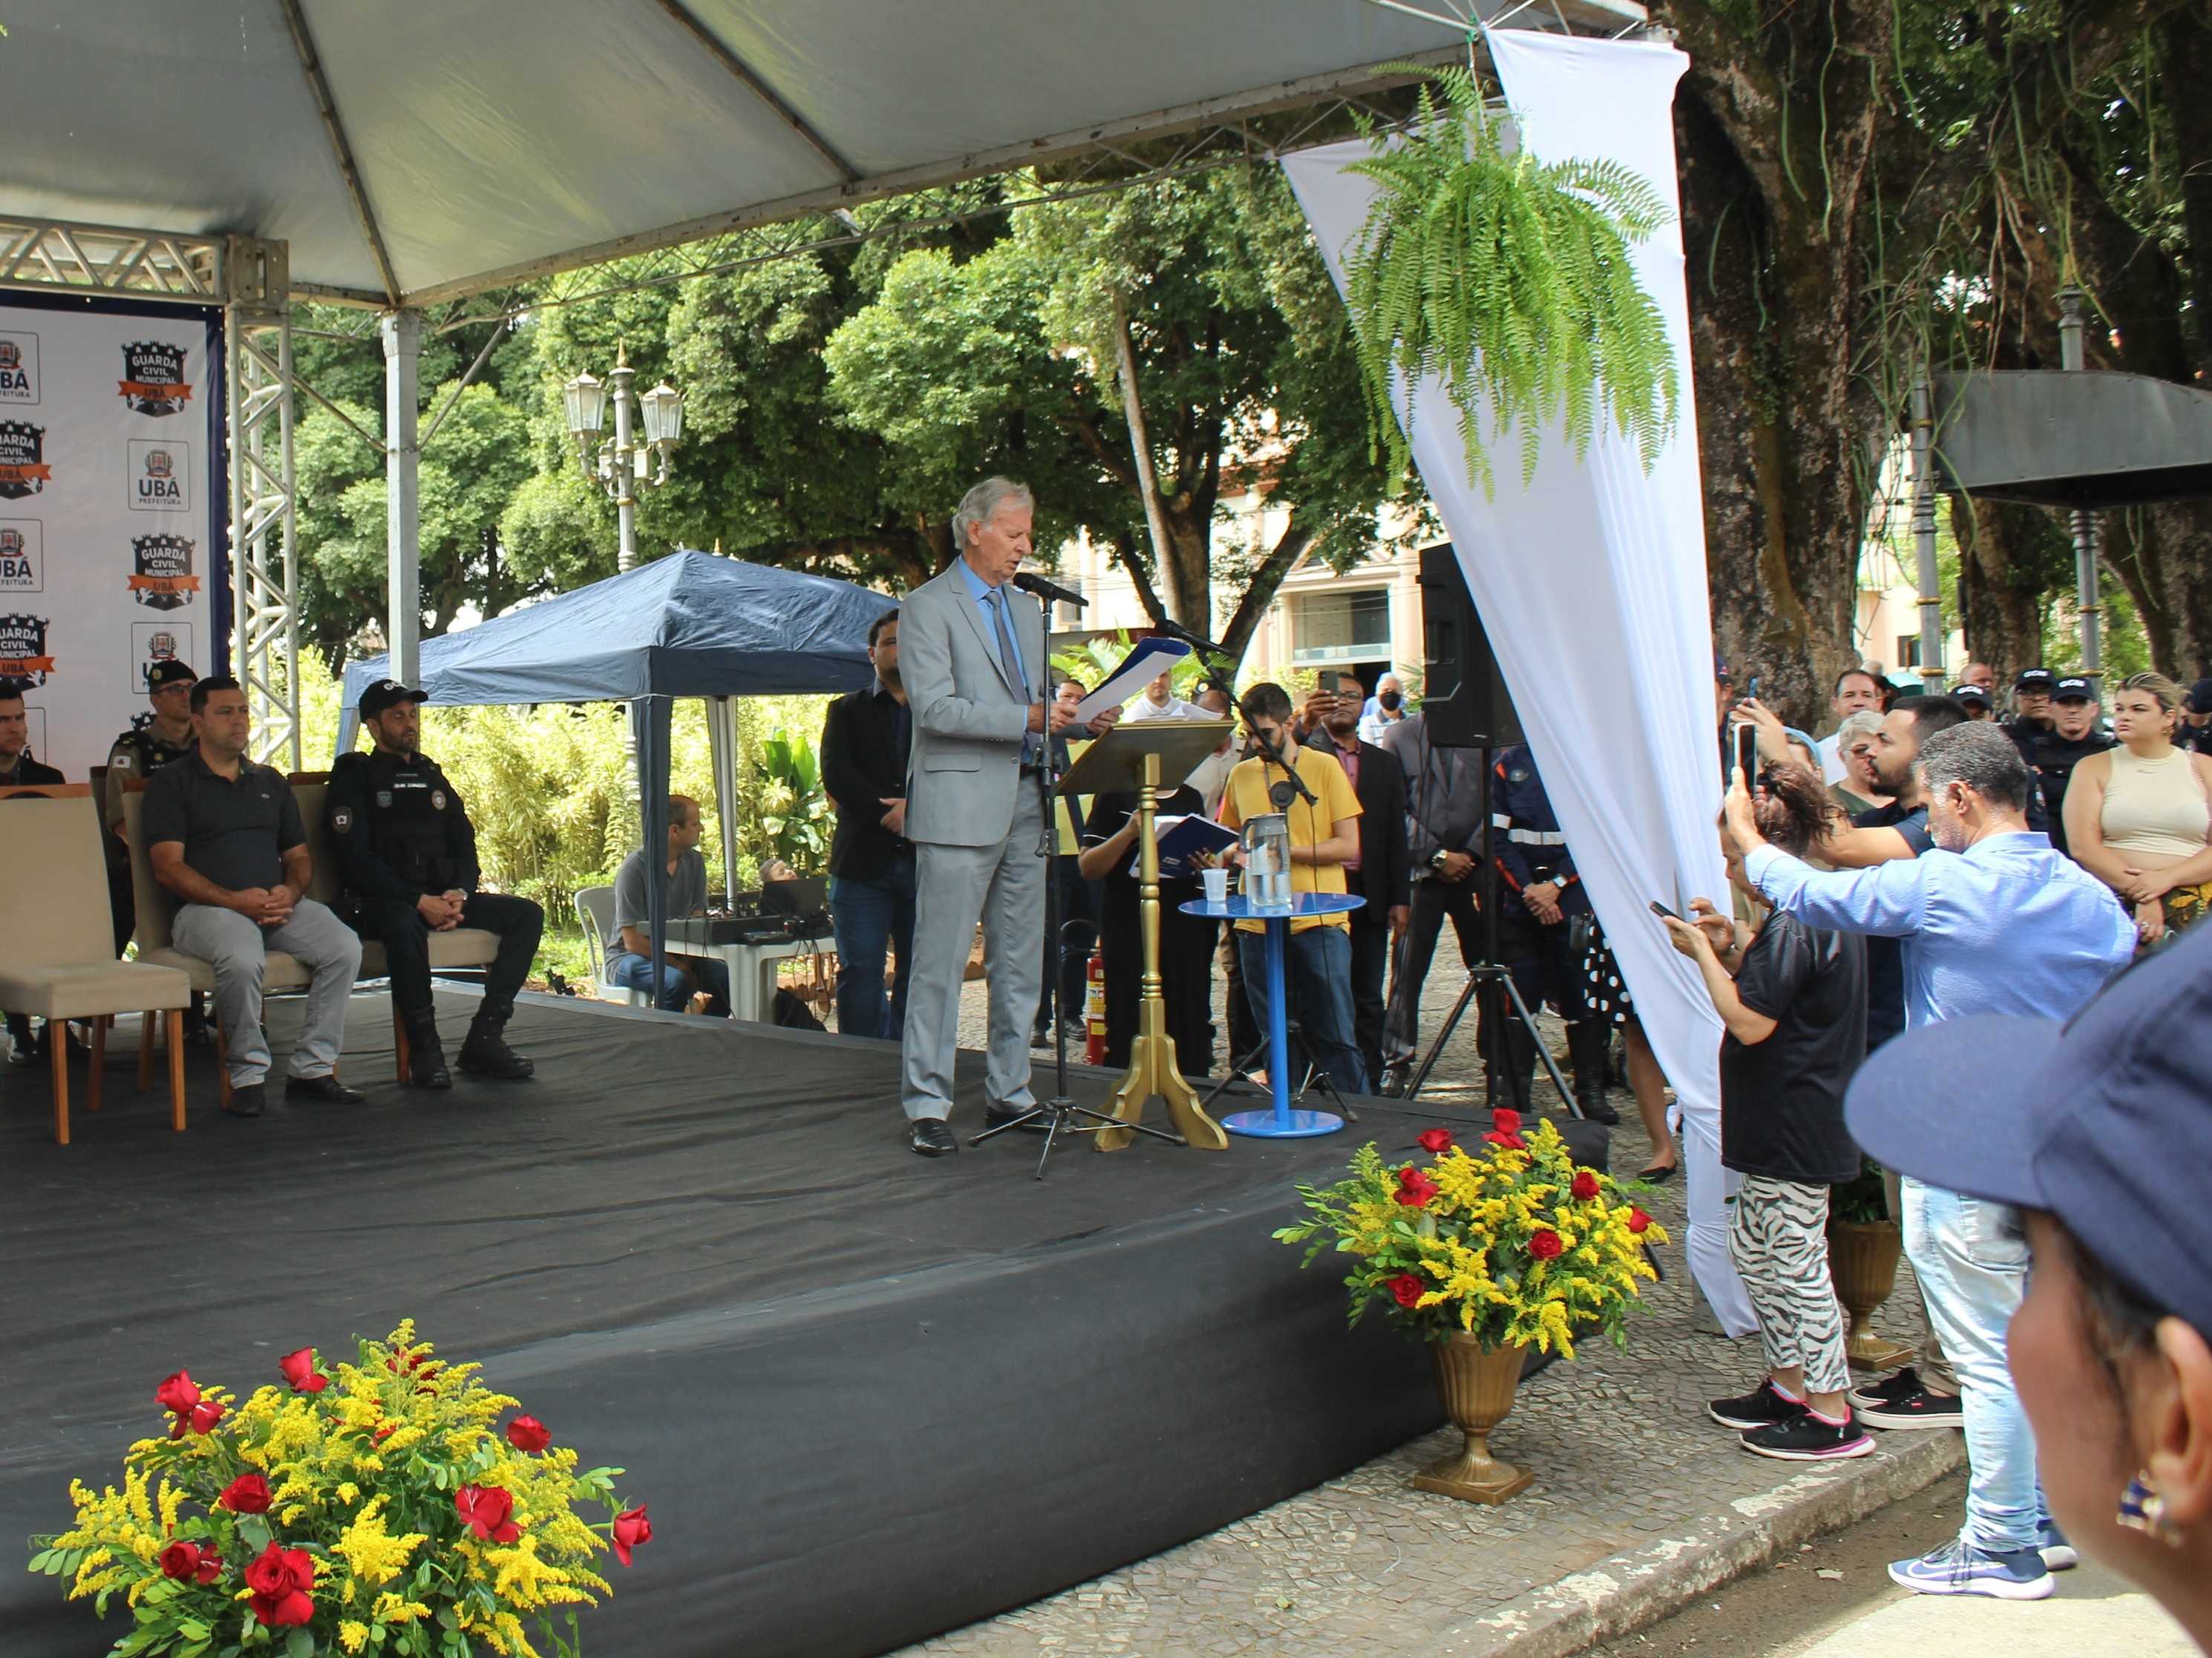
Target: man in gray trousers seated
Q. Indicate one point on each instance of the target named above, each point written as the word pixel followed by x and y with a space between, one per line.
pixel 972 655
pixel 224 834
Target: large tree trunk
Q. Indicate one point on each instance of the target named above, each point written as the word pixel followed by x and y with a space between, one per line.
pixel 2004 569
pixel 2163 556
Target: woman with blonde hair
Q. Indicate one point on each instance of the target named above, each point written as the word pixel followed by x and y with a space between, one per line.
pixel 2139 818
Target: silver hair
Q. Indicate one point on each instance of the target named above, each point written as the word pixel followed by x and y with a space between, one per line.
pixel 1983 757
pixel 976 507
pixel 1862 722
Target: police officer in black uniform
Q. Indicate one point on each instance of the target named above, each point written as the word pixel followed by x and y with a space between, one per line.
pixel 1539 937
pixel 162 734
pixel 407 856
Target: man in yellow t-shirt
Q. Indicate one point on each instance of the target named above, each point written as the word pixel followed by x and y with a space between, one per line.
pixel 1317 965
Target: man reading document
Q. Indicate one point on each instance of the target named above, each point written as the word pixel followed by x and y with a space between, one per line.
pixel 972 652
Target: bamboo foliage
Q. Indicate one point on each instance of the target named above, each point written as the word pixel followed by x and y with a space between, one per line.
pixel 1509 279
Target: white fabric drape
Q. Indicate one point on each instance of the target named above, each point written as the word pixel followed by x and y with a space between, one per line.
pixel 1591 585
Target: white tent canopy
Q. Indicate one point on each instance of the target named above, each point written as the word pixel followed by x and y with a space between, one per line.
pixel 411 150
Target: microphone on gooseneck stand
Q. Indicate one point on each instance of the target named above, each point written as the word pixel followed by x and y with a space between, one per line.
pixel 1280 794
pixel 1050 592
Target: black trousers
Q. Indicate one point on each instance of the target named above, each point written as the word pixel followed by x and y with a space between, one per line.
pixel 397 924
pixel 1432 901
pixel 1370 961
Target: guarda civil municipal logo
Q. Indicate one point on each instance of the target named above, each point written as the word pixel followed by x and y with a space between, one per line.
pixel 153 380
pixel 23 649
pixel 23 469
pixel 162 572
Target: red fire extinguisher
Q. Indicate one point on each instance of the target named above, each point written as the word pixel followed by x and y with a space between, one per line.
pixel 1094 1010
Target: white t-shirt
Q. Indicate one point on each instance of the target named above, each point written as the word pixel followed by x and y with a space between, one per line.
pixel 1832 769
pixel 1174 708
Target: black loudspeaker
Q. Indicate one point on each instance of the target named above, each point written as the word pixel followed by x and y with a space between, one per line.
pixel 1463 696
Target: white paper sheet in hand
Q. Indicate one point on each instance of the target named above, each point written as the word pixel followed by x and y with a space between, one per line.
pixel 1146 661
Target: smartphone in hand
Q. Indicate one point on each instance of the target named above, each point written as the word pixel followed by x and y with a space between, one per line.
pixel 1747 753
pixel 1327 681
pixel 1662 912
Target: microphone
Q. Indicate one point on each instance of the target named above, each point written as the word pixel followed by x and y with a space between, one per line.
pixel 1049 591
pixel 1279 794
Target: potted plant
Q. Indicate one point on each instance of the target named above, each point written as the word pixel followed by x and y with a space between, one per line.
pixel 1864 1245
pixel 374 1507
pixel 1484 1254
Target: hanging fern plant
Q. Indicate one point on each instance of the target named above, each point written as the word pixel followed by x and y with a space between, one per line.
pixel 1508 278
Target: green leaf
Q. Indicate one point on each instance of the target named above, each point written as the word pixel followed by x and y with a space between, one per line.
pixel 299 1644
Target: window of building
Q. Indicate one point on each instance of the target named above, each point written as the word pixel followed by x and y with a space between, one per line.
pixel 1908 650
pixel 1340 627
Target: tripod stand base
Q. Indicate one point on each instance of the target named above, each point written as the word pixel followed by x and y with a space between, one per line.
pixel 1291 1125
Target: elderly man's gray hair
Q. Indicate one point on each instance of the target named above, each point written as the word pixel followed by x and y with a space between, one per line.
pixel 976 507
pixel 1860 722
pixel 1980 755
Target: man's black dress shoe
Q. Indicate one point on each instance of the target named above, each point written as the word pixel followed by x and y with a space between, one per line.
pixel 246 1100
pixel 326 1088
pixel 932 1138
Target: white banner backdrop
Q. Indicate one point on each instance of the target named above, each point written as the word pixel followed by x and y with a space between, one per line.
pixel 1591 585
pixel 113 513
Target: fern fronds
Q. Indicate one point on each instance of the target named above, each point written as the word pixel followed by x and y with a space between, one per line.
pixel 1510 280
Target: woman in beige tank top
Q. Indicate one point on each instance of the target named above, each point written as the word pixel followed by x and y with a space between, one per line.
pixel 2139 818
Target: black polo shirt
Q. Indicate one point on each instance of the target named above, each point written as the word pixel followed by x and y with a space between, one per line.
pixel 27 771
pixel 234 834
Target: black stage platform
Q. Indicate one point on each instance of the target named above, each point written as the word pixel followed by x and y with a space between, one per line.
pixel 867 1397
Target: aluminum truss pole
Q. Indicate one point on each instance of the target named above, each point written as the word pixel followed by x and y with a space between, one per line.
pixel 402 456
pixel 264 549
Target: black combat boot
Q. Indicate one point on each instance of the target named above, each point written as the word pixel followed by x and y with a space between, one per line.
pixel 1587 1041
pixel 426 1055
pixel 485 1053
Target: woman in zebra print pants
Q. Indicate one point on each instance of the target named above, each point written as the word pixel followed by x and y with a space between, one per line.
pixel 1793 1000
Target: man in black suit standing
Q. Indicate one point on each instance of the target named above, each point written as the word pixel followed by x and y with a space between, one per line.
pixel 865 744
pixel 1382 874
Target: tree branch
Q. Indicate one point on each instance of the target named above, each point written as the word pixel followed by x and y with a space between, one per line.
pixel 1130 559
pixel 1259 593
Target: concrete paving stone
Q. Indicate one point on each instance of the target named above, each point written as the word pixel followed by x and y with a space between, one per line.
pixel 1640 1502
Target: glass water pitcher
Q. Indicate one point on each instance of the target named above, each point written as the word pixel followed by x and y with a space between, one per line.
pixel 1267 862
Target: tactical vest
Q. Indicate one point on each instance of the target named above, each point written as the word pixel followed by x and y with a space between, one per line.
pixel 408 803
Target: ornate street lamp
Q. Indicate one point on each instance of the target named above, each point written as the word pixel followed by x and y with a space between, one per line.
pixel 619 466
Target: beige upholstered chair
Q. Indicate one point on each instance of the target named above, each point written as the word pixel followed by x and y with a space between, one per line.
pixel 59 964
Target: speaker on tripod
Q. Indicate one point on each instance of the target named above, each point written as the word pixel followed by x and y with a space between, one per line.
pixel 1463 692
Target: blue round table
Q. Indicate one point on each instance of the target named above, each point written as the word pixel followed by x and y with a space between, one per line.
pixel 1282 1123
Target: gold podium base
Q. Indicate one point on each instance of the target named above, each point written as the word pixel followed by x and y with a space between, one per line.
pixel 1153 1071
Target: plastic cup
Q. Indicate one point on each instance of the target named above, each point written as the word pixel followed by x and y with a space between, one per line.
pixel 1217 885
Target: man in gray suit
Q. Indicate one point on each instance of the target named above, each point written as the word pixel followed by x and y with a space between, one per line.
pixel 972 652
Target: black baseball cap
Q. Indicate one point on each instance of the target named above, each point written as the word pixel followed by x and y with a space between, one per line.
pixel 387 693
pixel 2199 700
pixel 1970 694
pixel 2073 689
pixel 171 672
pixel 1721 673
pixel 2034 679
pixel 2090 1121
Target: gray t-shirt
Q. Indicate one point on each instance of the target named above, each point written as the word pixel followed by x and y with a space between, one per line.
pixel 686 890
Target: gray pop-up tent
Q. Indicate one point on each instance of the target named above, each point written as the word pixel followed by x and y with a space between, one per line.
pixel 690 624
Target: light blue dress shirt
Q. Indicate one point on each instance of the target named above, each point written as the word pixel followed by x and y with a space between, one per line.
pixel 988 598
pixel 2009 926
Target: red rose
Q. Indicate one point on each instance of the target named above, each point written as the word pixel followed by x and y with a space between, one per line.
pixel 527 1433
pixel 1436 1141
pixel 298 1370
pixel 1585 1186
pixel 488 1511
pixel 1406 1289
pixel 1638 1220
pixel 1414 1189
pixel 205 1415
pixel 1509 1142
pixel 179 1392
pixel 631 1530
pixel 384 1433
pixel 1545 1245
pixel 248 1494
pixel 1505 1122
pixel 279 1580
pixel 180 1560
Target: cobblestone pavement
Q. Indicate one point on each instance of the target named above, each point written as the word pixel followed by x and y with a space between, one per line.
pixel 1640 1502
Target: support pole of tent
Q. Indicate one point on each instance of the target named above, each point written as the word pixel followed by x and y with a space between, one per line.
pixel 264 570
pixel 722 739
pixel 402 456
pixel 2087 599
pixel 1923 535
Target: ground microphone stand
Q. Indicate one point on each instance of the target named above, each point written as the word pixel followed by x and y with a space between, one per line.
pixel 1487 977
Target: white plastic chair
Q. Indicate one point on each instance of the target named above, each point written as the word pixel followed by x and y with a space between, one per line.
pixel 595 912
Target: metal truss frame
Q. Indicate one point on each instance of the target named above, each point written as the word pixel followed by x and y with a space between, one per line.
pixel 250 280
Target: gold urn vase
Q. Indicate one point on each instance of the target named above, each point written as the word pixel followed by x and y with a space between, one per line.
pixel 1862 1257
pixel 1476 1384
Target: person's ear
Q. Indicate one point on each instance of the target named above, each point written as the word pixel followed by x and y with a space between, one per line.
pixel 2176 1423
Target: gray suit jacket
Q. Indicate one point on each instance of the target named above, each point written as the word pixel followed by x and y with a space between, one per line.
pixel 962 773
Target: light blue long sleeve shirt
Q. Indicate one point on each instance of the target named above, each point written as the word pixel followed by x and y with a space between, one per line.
pixel 2009 926
pixel 986 600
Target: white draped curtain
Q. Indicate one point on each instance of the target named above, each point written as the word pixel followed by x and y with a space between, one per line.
pixel 1591 585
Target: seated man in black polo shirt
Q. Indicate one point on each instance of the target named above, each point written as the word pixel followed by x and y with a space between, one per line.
pixel 224 834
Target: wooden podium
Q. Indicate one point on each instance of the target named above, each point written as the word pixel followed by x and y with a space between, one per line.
pixel 1136 757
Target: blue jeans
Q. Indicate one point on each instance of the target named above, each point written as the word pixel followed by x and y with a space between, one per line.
pixel 1317 972
pixel 873 919
pixel 677 980
pixel 1972 1263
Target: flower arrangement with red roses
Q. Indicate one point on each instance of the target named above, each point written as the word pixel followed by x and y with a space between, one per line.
pixel 1509 1241
pixel 376 1507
